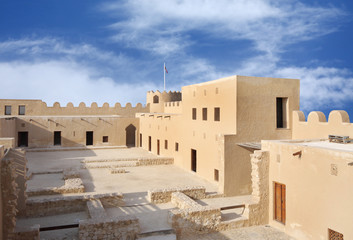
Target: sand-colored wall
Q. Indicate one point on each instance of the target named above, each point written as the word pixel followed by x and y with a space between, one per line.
pixel 73 130
pixel 317 127
pixel 40 108
pixel 247 113
pixel 163 97
pixel 1 183
pixel 7 127
pixel 315 199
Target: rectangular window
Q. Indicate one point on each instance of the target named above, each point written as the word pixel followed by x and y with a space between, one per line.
pixel 216 175
pixel 149 143
pixel 105 139
pixel 7 110
pixel 279 202
pixel 204 114
pixel 194 114
pixel 165 144
pixel 176 147
pixel 21 110
pixel 140 139
pixel 281 112
pixel 217 114
pixel 193 160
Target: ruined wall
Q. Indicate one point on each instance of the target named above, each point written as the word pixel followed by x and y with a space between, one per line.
pixel 317 127
pixel 40 108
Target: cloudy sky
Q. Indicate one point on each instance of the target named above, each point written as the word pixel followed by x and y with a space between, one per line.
pixel 113 51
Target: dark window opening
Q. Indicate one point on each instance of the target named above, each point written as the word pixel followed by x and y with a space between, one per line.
pixel 149 143
pixel 193 160
pixel 165 144
pixel 89 138
pixel 204 114
pixel 176 147
pixel 281 112
pixel 57 138
pixel 105 139
pixel 217 114
pixel 194 114
pixel 22 139
pixel 158 147
pixel 216 175
pixel 21 110
pixel 7 110
pixel 155 99
pixel 140 139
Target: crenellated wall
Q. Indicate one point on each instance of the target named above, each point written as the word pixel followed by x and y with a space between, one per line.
pixel 40 108
pixel 317 126
pixel 157 99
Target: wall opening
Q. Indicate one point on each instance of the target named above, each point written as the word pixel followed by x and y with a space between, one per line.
pixel 22 139
pixel 7 110
pixel 165 144
pixel 333 235
pixel 57 138
pixel 105 139
pixel 279 202
pixel 194 114
pixel 149 143
pixel 89 138
pixel 193 160
pixel 281 112
pixel 176 147
pixel 216 175
pixel 130 135
pixel 217 114
pixel 204 114
pixel 21 110
pixel 155 99
pixel 140 139
pixel 158 147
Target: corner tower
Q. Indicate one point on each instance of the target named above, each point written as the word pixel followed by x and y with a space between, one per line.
pixel 157 99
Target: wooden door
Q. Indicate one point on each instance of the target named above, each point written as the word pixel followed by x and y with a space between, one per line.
pixel 280 202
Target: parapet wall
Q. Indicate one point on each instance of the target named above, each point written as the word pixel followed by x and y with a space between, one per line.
pixel 317 126
pixel 40 108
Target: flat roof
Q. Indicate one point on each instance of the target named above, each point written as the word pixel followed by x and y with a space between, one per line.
pixel 318 143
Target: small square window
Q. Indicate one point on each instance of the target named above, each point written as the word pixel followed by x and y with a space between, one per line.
pixel 166 144
pixel 7 110
pixel 194 114
pixel 204 114
pixel 105 139
pixel 176 147
pixel 217 114
pixel 21 110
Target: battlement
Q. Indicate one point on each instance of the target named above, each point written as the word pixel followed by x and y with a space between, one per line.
pixel 157 99
pixel 317 126
pixel 40 108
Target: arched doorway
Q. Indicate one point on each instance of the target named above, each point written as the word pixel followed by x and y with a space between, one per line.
pixel 130 135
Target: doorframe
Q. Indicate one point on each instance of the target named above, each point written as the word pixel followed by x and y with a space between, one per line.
pixel 283 202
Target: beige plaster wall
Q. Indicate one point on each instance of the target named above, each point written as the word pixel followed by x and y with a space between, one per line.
pixel 163 97
pixel 40 108
pixel 247 113
pixel 315 199
pixel 317 127
pixel 73 130
pixel 7 127
pixel 1 186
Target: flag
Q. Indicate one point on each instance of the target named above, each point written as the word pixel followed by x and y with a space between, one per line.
pixel 165 69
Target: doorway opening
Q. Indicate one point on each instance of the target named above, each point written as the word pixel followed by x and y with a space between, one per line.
pixel 57 138
pixel 193 160
pixel 130 135
pixel 22 139
pixel 280 202
pixel 89 138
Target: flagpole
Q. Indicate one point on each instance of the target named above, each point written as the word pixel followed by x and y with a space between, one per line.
pixel 164 75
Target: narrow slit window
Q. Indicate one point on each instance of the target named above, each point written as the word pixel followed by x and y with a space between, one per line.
pixel 204 114
pixel 216 175
pixel 194 114
pixel 165 144
pixel 281 112
pixel 217 114
pixel 176 147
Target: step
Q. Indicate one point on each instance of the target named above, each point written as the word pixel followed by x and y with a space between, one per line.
pixel 168 234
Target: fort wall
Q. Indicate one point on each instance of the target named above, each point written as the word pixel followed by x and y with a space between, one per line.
pixel 157 99
pixel 317 126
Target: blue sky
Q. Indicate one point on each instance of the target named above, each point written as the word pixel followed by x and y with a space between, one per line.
pixel 113 51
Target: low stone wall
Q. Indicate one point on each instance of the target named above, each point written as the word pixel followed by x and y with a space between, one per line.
pixel 95 209
pixel 7 142
pixel 105 229
pixel 155 161
pixel 30 233
pixel 165 195
pixel 67 204
pixel 117 170
pixel 71 173
pixel 181 201
pixel 72 185
pixel 197 219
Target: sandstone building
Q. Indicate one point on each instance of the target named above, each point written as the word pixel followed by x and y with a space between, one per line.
pixel 244 134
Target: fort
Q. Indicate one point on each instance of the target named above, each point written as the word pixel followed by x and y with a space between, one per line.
pixel 215 159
